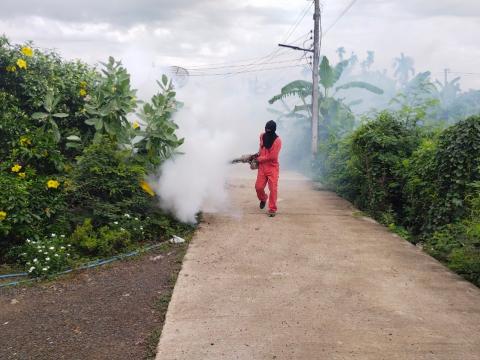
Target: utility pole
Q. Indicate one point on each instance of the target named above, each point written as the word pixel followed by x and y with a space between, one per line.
pixel 316 64
pixel 446 77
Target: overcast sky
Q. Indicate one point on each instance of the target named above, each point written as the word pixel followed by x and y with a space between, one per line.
pixel 438 34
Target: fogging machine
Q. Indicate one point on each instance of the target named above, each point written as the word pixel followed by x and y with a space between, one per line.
pixel 250 159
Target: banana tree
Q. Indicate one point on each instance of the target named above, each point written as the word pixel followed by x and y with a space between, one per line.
pixel 335 115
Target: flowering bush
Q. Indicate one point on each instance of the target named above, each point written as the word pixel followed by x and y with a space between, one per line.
pixel 47 256
pixel 72 163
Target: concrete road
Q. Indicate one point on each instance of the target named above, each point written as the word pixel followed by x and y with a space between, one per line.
pixel 319 281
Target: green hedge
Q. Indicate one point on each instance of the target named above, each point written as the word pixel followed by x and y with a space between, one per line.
pixel 72 171
pixel 416 181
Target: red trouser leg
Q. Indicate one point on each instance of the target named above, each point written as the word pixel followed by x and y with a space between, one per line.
pixel 260 186
pixel 273 188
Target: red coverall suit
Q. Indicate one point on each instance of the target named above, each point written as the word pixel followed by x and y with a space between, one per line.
pixel 268 169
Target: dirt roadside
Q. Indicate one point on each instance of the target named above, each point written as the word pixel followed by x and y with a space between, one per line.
pixel 111 312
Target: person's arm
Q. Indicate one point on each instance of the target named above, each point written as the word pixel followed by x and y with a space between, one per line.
pixel 272 155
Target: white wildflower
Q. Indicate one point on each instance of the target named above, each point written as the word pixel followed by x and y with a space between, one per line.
pixel 35 260
pixel 56 255
pixel 31 269
pixel 44 269
pixel 51 248
pixel 115 222
pixel 53 235
pixel 62 247
pixel 127 215
pixel 47 258
pixel 62 236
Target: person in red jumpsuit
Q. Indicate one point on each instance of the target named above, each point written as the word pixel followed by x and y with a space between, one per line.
pixel 268 167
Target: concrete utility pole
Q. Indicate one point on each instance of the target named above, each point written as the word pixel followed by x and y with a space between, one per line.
pixel 317 39
pixel 446 77
pixel 315 79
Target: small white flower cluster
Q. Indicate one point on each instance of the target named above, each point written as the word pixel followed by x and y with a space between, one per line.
pixel 45 255
pixel 129 224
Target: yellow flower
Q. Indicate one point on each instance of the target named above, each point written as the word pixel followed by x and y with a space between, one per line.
pixel 83 84
pixel 53 184
pixel 16 168
pixel 22 64
pixel 25 141
pixel 11 68
pixel 83 92
pixel 135 125
pixel 3 215
pixel 27 51
pixel 146 187
pixel 22 175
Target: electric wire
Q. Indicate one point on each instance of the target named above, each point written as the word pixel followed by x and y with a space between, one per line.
pixel 249 70
pixel 342 14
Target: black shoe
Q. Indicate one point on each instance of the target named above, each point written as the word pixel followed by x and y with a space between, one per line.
pixel 262 204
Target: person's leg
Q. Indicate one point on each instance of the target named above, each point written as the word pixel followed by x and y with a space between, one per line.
pixel 260 186
pixel 272 188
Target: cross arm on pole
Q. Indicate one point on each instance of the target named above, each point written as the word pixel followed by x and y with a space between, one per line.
pixel 295 48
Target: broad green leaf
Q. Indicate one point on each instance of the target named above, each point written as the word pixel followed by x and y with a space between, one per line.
pixel 73 138
pixel 92 121
pixel 60 115
pixel 299 88
pixel 360 85
pixel 39 116
pixel 327 74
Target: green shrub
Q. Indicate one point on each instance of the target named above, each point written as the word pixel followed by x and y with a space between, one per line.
pixel 457 164
pixel 105 185
pixel 44 257
pixel 420 190
pixel 102 242
pixel 378 149
pixel 69 153
pixel 110 102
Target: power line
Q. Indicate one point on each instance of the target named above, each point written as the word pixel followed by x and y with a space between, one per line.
pixel 236 66
pixel 299 21
pixel 458 73
pixel 287 36
pixel 463 73
pixel 248 71
pixel 267 57
pixel 342 14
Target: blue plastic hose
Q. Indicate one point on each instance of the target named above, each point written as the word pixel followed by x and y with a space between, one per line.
pixel 88 265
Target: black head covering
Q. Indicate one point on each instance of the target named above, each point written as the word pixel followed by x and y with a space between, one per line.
pixel 270 135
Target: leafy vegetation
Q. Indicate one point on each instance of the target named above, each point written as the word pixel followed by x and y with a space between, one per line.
pixel 403 149
pixel 74 163
pixel 421 184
